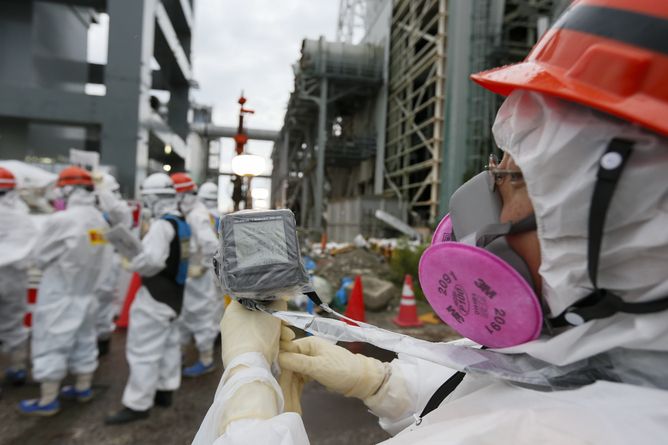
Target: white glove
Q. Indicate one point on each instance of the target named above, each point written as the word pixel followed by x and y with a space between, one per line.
pixel 195 271
pixel 254 393
pixel 291 383
pixel 243 330
pixel 338 369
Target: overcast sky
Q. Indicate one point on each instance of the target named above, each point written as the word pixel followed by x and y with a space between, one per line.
pixel 247 45
pixel 250 45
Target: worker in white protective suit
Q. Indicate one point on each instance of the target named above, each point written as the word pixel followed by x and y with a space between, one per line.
pixel 70 252
pixel 153 347
pixel 115 211
pixel 17 239
pixel 201 301
pixel 566 284
pixel 208 195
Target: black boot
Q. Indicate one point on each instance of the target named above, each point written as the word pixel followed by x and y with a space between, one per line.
pixel 125 415
pixel 103 346
pixel 163 398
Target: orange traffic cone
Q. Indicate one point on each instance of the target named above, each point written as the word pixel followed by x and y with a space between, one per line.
pixel 133 287
pixel 407 316
pixel 355 308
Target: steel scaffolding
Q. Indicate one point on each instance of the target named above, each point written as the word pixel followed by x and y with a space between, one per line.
pixel 415 105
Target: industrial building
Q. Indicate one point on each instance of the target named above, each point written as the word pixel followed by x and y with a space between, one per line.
pixel 391 102
pixel 138 117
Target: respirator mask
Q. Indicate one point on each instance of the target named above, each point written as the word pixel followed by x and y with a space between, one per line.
pixel 472 278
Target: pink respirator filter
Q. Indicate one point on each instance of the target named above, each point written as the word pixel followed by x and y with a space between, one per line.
pixel 443 231
pixel 479 295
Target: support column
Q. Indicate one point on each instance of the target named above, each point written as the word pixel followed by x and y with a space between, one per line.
pixel 320 160
pixel 458 68
pixel 124 139
pixel 179 104
pixel 284 171
pixel 304 205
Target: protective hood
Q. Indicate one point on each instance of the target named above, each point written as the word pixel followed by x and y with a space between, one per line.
pixel 186 202
pixel 80 197
pixel 558 146
pixel 160 205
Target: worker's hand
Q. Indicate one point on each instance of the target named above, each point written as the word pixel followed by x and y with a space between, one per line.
pixel 98 178
pixel 243 330
pixel 338 369
pixel 291 383
pixel 195 271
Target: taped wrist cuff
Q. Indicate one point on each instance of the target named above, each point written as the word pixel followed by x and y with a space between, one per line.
pixel 256 369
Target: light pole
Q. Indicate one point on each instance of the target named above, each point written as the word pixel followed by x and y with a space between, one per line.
pixel 246 165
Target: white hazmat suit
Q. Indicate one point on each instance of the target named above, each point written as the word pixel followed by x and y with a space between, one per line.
pixel 116 211
pixel 153 347
pixel 201 302
pixel 70 251
pixel 17 239
pixel 557 145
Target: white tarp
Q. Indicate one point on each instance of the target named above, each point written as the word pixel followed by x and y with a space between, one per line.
pixel 29 176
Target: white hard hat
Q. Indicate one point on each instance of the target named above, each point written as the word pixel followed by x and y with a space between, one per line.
pixel 158 184
pixel 110 183
pixel 208 191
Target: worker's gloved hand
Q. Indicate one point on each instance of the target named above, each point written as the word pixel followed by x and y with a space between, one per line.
pixel 98 178
pixel 338 369
pixel 243 330
pixel 291 383
pixel 195 271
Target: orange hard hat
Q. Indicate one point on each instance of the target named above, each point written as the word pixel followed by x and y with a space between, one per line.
pixel 611 55
pixel 74 176
pixel 183 183
pixel 7 180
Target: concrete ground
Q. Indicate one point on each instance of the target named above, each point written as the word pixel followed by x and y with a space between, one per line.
pixel 329 418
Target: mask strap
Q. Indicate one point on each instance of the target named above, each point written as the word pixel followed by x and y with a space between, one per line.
pixel 601 303
pixel 493 231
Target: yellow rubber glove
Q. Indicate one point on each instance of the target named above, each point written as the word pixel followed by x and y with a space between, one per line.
pixel 291 383
pixel 336 368
pixel 243 330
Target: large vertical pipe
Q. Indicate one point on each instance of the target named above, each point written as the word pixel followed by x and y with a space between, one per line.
pixel 304 204
pixel 282 186
pixel 458 69
pixel 320 160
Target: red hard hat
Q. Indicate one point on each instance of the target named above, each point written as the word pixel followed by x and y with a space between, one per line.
pixel 74 176
pixel 611 55
pixel 183 183
pixel 7 180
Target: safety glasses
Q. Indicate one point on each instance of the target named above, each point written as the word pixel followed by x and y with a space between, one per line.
pixel 498 175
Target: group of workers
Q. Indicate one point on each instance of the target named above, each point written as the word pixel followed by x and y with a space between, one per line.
pixel 77 297
pixel 569 231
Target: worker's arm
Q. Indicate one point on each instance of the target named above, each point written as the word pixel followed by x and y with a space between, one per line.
pixel 206 236
pixel 17 238
pixel 248 405
pixel 116 210
pixel 404 395
pixel 395 391
pixel 155 249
